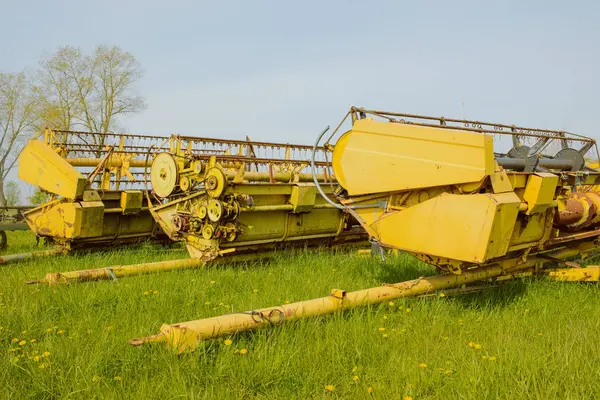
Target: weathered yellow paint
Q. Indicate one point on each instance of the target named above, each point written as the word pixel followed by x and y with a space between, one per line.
pixel 67 220
pixel 303 197
pixel 371 153
pixel 588 274
pixel 539 192
pixel 472 228
pixel 41 166
pixel 131 201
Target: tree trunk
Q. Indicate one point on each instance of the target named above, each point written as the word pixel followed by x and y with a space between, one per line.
pixel 2 196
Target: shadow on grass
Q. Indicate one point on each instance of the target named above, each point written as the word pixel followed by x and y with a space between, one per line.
pixel 405 267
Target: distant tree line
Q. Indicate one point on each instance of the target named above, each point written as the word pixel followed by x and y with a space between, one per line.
pixel 70 90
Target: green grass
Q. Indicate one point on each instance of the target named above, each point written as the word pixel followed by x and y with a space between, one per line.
pixel 543 335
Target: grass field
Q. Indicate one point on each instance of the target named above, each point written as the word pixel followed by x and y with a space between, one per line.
pixel 533 339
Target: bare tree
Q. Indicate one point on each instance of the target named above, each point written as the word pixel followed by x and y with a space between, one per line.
pixel 90 92
pixel 19 110
pixel 59 80
pixel 12 192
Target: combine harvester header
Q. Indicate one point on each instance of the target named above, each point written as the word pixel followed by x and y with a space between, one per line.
pixel 221 197
pixel 442 190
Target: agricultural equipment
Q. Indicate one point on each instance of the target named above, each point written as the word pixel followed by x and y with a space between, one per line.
pixel 11 219
pixel 237 198
pixel 479 201
pixel 91 180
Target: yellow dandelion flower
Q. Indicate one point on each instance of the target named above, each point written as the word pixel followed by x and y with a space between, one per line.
pixel 492 358
pixel 442 294
pixel 22 343
pixel 14 340
pixel 381 329
pixel 407 398
pixel 471 344
pixel 255 291
pixel 155 292
pixel 422 365
pixel 286 302
pixel 539 333
pixel 477 346
pixel 484 357
pixel 118 378
pixel 36 358
pixel 243 351
pixel 384 335
pixel 146 293
pixel 46 353
pixel 213 282
pixel 355 378
pixel 60 332
pixel 391 304
pixel 330 388
pixel 227 342
pixel 370 390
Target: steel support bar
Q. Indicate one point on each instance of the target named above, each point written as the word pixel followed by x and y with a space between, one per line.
pixel 188 335
pixel 13 258
pixel 112 273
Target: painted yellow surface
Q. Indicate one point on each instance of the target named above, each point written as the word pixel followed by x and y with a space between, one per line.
pixel 41 166
pixel 539 192
pixel 472 228
pixel 377 157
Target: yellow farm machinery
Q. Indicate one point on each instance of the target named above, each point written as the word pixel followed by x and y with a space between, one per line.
pixel 481 202
pixel 235 198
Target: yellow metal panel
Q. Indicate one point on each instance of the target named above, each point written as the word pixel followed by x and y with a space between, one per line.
pixel 539 192
pixel 92 219
pixel 529 229
pixel 471 228
pixel 66 220
pixel 131 201
pixel 500 182
pixel 41 166
pixel 587 274
pixel 303 197
pixel 377 157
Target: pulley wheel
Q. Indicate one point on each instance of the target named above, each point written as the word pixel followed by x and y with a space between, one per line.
pixel 231 232
pixel 208 231
pixel 163 175
pixel 215 182
pixel 214 210
pixel 177 222
pixel 184 183
pixel 201 211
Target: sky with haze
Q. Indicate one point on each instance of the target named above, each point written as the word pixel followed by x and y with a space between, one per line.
pixel 282 70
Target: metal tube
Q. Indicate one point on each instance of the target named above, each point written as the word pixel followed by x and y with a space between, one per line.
pixel 519 163
pixel 13 258
pixel 115 272
pixel 188 335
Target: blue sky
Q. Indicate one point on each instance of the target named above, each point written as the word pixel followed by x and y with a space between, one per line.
pixel 281 70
